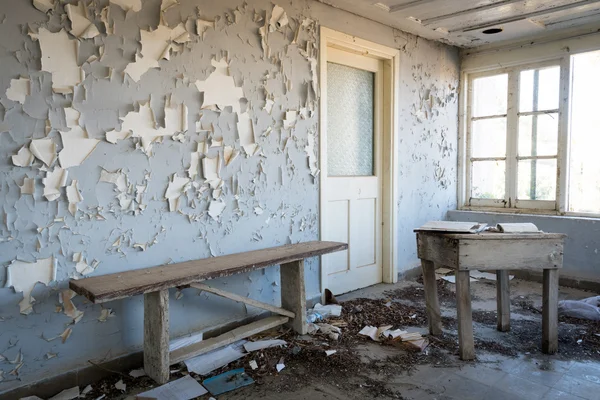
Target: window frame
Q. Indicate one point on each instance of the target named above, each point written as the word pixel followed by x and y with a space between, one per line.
pixel 510 203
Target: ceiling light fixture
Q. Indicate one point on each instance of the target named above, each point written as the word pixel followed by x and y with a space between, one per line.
pixel 492 31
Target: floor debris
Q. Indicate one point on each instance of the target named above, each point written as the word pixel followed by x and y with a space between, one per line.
pixel 227 381
pixel 67 394
pixel 263 344
pixel 206 363
pixel 185 388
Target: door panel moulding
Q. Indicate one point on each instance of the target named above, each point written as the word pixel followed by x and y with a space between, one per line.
pixel 391 70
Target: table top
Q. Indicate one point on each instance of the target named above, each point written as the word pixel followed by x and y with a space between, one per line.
pixel 493 235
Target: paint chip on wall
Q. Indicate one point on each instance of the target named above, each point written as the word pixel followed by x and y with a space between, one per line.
pixel 28 186
pixel 81 26
pixel 19 89
pixel 128 5
pixel 177 186
pixel 53 181
pixel 219 88
pixel 75 148
pixel 246 133
pixel 23 158
pixel 44 150
pixel 74 197
pixel 23 277
pixel 59 57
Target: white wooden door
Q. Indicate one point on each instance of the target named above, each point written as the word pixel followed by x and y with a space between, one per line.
pixel 352 189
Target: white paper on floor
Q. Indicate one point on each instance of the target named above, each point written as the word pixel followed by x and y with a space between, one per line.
pixel 181 389
pixel 263 344
pixel 206 363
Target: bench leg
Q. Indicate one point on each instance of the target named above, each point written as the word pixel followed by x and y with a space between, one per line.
pixel 503 299
pixel 431 298
pixel 466 346
pixel 550 312
pixel 293 294
pixel 156 335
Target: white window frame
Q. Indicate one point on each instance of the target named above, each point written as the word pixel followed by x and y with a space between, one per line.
pixel 510 202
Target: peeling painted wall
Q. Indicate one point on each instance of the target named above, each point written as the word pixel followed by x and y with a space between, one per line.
pixel 270 195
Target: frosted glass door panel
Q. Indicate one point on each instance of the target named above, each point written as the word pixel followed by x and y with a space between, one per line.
pixel 350 105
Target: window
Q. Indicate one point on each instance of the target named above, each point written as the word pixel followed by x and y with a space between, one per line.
pixel 513 138
pixel 584 163
pixel 519 131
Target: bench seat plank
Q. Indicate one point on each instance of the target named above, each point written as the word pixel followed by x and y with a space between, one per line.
pixel 100 289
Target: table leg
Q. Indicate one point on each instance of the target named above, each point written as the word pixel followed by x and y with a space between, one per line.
pixel 503 299
pixel 431 298
pixel 293 294
pixel 466 345
pixel 550 312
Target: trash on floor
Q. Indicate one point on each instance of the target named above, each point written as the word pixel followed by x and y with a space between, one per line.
pixel 263 344
pixel 330 310
pixel 376 334
pixel 185 388
pixel 227 381
pixel 206 363
pixel 67 394
pixel 583 309
pixel 332 332
pixel 280 365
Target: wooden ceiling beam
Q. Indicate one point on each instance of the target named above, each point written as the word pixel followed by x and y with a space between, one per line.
pixel 487 7
pixel 401 7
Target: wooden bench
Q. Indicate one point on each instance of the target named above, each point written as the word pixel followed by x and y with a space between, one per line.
pixel 154 283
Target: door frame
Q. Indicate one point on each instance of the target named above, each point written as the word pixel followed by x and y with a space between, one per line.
pixel 389 145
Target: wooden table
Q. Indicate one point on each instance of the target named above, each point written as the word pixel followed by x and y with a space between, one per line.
pixel 487 251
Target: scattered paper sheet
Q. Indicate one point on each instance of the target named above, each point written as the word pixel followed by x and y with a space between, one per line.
pixel 206 363
pixel 246 133
pixel 23 277
pixel 280 365
pixel 120 385
pixel 23 158
pixel 177 186
pixel 373 332
pixel 330 352
pixel 44 150
pixel 67 394
pixel 59 57
pixel 28 186
pixel 137 373
pixel 185 341
pixel 53 181
pixel 219 88
pixel 185 388
pixel 263 344
pixel 75 149
pixel 18 90
pixel 81 26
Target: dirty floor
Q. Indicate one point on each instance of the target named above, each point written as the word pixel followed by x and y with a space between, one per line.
pixel 508 365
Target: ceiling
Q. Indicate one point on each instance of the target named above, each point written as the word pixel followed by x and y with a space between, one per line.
pixel 463 22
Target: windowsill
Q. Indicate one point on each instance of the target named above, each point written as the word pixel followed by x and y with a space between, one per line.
pixel 521 211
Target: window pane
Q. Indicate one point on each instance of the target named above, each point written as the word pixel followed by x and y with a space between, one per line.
pixel 487 180
pixel 538 135
pixel 539 89
pixel 349 121
pixel 537 180
pixel 489 95
pixel 488 138
pixel 584 172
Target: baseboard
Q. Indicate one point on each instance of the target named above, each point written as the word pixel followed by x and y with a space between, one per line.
pixel 564 279
pixel 410 274
pixel 90 374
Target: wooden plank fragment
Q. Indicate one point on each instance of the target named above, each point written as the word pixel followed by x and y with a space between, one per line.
pixel 503 300
pixel 293 294
pixel 156 335
pixel 432 303
pixel 550 312
pixel 466 345
pixel 225 339
pixel 100 289
pixel 242 299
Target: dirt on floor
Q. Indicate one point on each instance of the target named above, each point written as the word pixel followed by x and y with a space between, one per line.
pixel 354 373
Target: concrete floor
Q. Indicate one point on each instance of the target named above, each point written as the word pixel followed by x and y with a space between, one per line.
pixel 493 377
